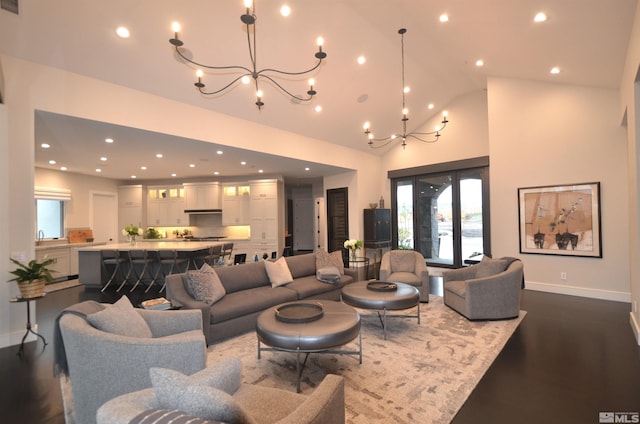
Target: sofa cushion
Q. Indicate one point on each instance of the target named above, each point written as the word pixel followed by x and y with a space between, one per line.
pixel 278 272
pixel 120 318
pixel 205 285
pixel 326 260
pixel 302 265
pixel 402 261
pixel 337 260
pixel 310 287
pixel 488 267
pixel 250 301
pixel 244 276
pixel 175 390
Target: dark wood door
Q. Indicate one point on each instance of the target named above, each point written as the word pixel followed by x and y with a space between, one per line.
pixel 337 218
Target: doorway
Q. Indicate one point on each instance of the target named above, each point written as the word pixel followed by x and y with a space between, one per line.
pixel 337 218
pixel 103 216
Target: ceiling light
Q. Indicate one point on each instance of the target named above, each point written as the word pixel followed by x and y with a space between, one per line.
pixel 122 32
pixel 249 20
pixel 103 159
pixel 192 165
pixel 540 17
pixel 219 152
pixel 285 10
pixel 318 108
pixel 174 174
pixel 479 63
pixel 133 177
pixel 361 60
pixel 98 170
pixel 144 168
pixel 420 136
pixel 555 70
pixel 158 155
pixel 306 169
pixel 52 162
pixel 216 173
pixel 63 168
pixel 243 163
pixel 260 171
pixel 444 18
pixel 108 140
pixel 45 145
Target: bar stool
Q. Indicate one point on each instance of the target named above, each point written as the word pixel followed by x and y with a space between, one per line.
pixel 227 249
pixel 215 253
pixel 171 259
pixel 145 259
pixel 113 258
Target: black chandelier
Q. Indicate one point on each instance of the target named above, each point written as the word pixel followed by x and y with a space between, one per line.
pixel 245 74
pixel 425 137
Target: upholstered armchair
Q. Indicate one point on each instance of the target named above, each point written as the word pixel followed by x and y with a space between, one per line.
pixel 406 266
pixel 101 365
pixel 488 290
pixel 217 394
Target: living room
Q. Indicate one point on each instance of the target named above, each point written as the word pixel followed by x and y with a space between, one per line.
pixel 536 133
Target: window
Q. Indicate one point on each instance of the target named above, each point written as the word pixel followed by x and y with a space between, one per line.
pixel 49 218
pixel 442 211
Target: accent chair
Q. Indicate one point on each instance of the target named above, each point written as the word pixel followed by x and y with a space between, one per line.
pixel 406 266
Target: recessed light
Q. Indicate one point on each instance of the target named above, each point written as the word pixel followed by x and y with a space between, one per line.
pixel 108 140
pixel 216 173
pixel 98 170
pixel 219 152
pixel 554 70
pixel 243 163
pixel 52 162
pixel 174 174
pixel 318 108
pixel 285 10
pixel 158 155
pixel 540 17
pixel 479 63
pixel 361 60
pixel 430 106
pixel 306 169
pixel 63 168
pixel 45 145
pixel 133 177
pixel 144 168
pixel 122 32
pixel 444 18
pixel 260 171
pixel 103 159
pixel 192 165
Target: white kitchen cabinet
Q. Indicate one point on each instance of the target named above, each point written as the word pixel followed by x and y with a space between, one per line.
pixel 165 207
pixel 130 207
pixel 201 196
pixel 60 266
pixel 265 216
pixel 235 204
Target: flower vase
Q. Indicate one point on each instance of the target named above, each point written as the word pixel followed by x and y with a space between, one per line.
pixel 132 240
pixel 353 254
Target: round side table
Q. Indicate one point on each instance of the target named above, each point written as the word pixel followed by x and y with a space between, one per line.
pixel 29 329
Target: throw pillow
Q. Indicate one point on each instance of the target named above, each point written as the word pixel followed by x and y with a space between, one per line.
pixel 278 272
pixel 402 261
pixel 175 390
pixel 333 259
pixel 120 318
pixel 329 274
pixel 205 285
pixel 488 267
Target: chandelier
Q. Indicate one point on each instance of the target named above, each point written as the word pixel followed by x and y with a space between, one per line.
pixel 245 74
pixel 425 137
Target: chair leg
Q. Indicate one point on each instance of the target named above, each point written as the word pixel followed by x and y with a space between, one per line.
pixel 113 275
pixel 126 277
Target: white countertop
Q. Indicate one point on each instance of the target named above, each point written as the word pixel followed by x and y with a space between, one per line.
pixel 154 245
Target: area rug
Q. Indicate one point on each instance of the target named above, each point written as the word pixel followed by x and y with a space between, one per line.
pixel 420 374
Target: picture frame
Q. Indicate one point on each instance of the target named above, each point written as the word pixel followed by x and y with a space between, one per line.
pixel 560 220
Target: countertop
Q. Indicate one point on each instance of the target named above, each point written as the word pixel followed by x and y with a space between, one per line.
pixel 154 245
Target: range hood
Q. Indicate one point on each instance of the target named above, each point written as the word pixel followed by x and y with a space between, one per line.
pixel 203 211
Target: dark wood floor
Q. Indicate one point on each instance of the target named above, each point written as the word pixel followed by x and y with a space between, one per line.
pixel 569 359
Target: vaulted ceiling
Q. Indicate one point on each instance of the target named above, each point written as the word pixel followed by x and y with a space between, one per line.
pixel 585 39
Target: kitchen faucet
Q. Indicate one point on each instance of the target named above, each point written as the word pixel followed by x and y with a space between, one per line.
pixel 40 235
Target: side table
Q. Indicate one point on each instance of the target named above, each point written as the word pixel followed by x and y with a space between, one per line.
pixel 29 329
pixel 361 263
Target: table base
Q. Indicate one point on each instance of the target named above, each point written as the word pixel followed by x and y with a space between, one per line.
pixel 383 318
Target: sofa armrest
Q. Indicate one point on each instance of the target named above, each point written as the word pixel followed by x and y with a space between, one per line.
pixel 460 274
pixel 324 406
pixel 177 293
pixel 165 323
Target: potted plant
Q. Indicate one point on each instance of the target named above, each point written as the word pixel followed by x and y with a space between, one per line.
pixel 32 277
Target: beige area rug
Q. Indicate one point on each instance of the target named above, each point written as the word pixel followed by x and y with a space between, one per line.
pixel 61 285
pixel 420 374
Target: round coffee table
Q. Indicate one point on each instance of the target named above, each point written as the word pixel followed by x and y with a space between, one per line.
pixel 405 296
pixel 338 325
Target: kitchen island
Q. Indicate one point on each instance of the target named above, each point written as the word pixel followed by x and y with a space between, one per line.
pixel 93 274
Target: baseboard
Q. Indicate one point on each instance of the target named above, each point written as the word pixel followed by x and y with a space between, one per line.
pixel 580 291
pixel 635 326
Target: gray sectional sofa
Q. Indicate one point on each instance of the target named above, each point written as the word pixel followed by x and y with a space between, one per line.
pixel 249 292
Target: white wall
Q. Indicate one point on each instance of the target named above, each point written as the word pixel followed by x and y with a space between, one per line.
pixel 546 134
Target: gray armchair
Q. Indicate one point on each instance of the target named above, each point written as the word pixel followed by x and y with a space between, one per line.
pixel 103 365
pixel 258 404
pixel 406 266
pixel 478 293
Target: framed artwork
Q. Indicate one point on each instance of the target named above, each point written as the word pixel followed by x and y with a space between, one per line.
pixel 560 220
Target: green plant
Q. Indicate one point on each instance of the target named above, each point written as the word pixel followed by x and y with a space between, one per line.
pixel 152 233
pixel 32 271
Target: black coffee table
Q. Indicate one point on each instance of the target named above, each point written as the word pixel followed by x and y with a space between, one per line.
pixel 405 296
pixel 337 325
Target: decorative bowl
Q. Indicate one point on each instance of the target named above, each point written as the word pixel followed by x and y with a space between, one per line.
pixel 373 205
